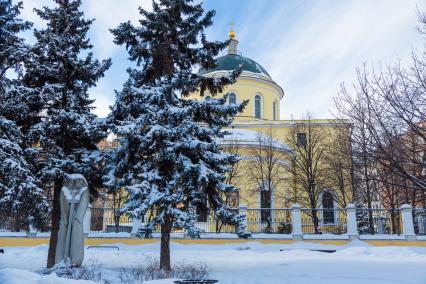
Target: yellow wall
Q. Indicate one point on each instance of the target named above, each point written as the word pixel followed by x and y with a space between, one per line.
pixel 246 89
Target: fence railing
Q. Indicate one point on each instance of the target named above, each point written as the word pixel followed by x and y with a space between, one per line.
pixel 404 222
pixel 379 221
pixel 109 220
pixel 11 224
pixel 212 224
pixel 323 221
pixel 269 220
pixel 419 220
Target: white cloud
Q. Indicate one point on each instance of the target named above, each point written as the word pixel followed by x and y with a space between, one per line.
pixel 309 50
pixel 28 13
pixel 308 47
pixel 103 95
pixel 109 14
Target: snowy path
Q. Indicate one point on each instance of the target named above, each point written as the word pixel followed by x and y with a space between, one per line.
pixel 249 263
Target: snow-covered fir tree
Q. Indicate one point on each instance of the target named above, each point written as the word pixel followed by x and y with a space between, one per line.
pixel 169 159
pixel 60 73
pixel 363 220
pixel 21 197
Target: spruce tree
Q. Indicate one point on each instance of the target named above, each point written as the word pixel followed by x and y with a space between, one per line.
pixel 364 223
pixel 20 194
pixel 59 75
pixel 169 159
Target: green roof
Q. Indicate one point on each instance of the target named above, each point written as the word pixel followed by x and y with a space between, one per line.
pixel 232 61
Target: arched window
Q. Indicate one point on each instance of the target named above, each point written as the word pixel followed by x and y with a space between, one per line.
pixel 232 98
pixel 274 110
pixel 257 106
pixel 328 207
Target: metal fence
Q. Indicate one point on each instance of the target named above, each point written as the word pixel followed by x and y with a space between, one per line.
pixel 259 220
pixel 379 221
pixel 323 221
pixel 10 224
pixel 419 220
pixel 15 223
pixel 108 220
pixel 212 224
pixel 269 221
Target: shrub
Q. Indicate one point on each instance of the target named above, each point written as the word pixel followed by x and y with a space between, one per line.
pixel 151 271
pixel 285 228
pixel 92 271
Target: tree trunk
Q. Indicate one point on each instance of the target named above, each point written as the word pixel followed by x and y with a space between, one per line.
pixel 55 225
pixel 116 222
pixel 315 221
pixel 166 228
pixel 17 222
pixel 371 222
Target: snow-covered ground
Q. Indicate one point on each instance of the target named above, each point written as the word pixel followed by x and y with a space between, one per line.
pixel 246 263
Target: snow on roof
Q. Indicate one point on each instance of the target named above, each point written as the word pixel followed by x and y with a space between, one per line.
pixel 249 137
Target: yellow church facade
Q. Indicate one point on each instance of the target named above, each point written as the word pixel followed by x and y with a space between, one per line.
pixel 282 184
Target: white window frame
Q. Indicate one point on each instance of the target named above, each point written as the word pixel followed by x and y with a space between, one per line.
pixel 335 206
pixel 236 97
pixel 261 105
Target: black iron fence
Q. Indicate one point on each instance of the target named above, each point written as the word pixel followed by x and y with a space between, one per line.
pixel 323 221
pixel 258 220
pixel 213 224
pixel 11 224
pixel 15 223
pixel 379 221
pixel 109 220
pixel 269 220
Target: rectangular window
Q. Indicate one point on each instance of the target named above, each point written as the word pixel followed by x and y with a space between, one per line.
pixel 301 139
pixel 265 202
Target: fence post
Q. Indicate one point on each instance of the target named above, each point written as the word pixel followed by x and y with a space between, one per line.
pixel 296 222
pixel 86 221
pixel 135 226
pixel 408 225
pixel 242 210
pixel 351 222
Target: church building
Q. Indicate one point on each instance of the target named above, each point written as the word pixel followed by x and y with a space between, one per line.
pixel 282 161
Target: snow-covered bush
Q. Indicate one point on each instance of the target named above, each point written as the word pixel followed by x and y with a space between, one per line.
pixel 92 271
pixel 151 271
pixel 285 228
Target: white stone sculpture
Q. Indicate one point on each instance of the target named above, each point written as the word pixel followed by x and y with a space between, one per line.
pixel 74 200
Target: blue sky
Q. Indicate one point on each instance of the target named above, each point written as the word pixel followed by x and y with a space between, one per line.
pixel 309 47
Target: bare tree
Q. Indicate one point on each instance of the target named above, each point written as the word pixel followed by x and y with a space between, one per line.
pixel 236 171
pixel 388 110
pixel 308 164
pixel 339 163
pixel 265 170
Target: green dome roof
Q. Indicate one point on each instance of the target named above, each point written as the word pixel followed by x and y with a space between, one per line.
pixel 232 61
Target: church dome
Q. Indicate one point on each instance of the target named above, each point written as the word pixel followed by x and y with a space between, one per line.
pixel 232 61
